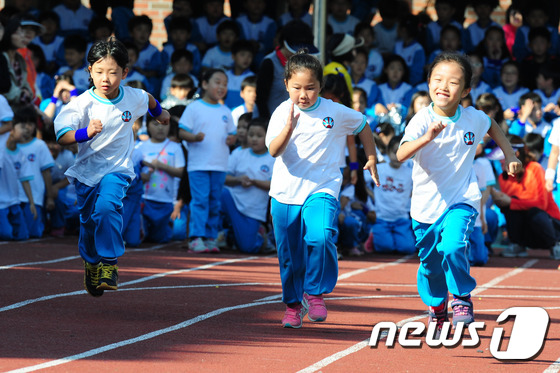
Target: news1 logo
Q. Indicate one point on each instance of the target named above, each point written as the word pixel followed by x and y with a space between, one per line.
pixel 528 334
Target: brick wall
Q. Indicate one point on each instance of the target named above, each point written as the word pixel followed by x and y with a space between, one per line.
pixel 157 11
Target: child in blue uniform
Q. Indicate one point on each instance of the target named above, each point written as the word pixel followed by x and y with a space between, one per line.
pixel 442 138
pixel 100 120
pixel 307 136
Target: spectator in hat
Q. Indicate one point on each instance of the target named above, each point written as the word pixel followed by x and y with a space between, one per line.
pixel 340 52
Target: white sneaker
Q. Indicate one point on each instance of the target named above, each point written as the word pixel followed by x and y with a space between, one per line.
pixel 212 246
pixel 198 246
pixel 556 252
pixel 515 250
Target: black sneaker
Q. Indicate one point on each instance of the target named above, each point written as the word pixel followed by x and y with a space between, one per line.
pixel 109 277
pixel 91 279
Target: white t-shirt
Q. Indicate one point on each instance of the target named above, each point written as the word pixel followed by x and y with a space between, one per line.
pixel 217 59
pixel 13 170
pixel 6 115
pixel 215 121
pixel 39 157
pixel 554 139
pixel 392 197
pixel 109 151
pixel 161 186
pixel 443 174
pixel 63 162
pixel 251 201
pixel 311 160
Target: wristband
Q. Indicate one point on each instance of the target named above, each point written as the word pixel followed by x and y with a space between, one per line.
pixel 549 174
pixel 74 93
pixel 81 135
pixel 54 100
pixel 155 112
pixel 354 166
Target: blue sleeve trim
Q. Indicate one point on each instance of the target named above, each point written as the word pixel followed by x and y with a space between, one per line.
pixel 26 178
pixel 183 127
pixel 47 166
pixel 62 132
pixel 361 128
pixel 233 133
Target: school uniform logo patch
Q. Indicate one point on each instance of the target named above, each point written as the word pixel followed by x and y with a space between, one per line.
pixel 126 116
pixel 468 138
pixel 17 165
pixel 328 122
pixel 264 168
pixel 31 157
pixel 224 118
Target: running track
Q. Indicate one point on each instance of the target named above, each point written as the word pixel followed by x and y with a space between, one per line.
pixel 180 312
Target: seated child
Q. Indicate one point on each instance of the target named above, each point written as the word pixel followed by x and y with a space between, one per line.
pixel 242 54
pixel 74 55
pixel 392 231
pixel 249 95
pixel 220 56
pixel 133 74
pixel 181 90
pixel 530 117
pixel 245 199
pixel 181 63
pixel 162 161
pixel 179 33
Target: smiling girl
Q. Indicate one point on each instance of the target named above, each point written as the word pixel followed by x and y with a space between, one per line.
pixel 307 136
pixel 100 121
pixel 442 138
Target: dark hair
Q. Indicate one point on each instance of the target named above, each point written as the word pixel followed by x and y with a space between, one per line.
pixel 459 59
pixel 228 25
pixel 386 129
pixel 332 43
pixel 534 141
pixel 25 114
pixel 140 20
pixel 296 32
pixel 535 32
pixel 388 9
pixel 336 85
pixel 99 23
pixel 258 122
pixel 487 102
pixel 181 53
pixel 535 97
pixel 551 70
pixel 250 81
pixel 246 117
pixel 10 27
pixel 49 15
pixel 130 45
pixel 510 63
pixel 303 61
pixel 75 42
pixel 207 75
pixel 387 60
pixel 411 24
pixel 363 26
pixel 394 143
pixel 180 23
pixel 481 47
pixel 242 46
pixel 492 3
pixel 448 2
pixel 511 9
pixel 520 146
pixel 452 28
pixel 110 48
pixel 40 55
pixel 182 81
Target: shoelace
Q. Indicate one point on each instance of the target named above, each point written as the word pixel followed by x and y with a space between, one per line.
pixel 107 271
pixel 461 310
pixel 94 275
pixel 315 302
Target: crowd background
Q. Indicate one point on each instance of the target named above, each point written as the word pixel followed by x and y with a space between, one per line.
pixel 377 50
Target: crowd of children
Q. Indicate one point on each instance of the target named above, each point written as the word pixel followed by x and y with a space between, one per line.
pixel 75 107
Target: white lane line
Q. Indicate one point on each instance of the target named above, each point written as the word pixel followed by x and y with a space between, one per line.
pixel 357 347
pixel 377 266
pixel 26 264
pixel 143 279
pixel 26 241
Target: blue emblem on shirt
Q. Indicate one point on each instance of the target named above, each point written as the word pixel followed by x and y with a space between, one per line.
pixel 468 138
pixel 264 168
pixel 126 116
pixel 224 118
pixel 31 157
pixel 17 165
pixel 328 122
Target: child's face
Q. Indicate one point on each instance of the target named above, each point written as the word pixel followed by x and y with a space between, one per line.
pixel 182 9
pixel 358 102
pixel 537 18
pixel 132 57
pixel 539 46
pixel 303 88
pixel 17 132
pixel 50 27
pixel 444 12
pixel 395 72
pixel 367 35
pixel 494 43
pixel 242 60
pixel 214 9
pixel 297 5
pixel 73 58
pixel 359 65
pixel 215 88
pixel 102 33
pixel 54 148
pixel 483 11
pixel 158 132
pixel 254 8
pixel 107 76
pixel 516 18
pixel 449 41
pixel 29 33
pixel 242 126
pixel 179 37
pixel 537 113
pixel 544 84
pixel 226 38
pixel 18 38
pixel 510 76
pixel 420 103
pixel 26 130
pixel 140 34
pixel 180 92
pixel 446 87
pixel 477 66
pixel 249 95
pixel 255 139
pixel 182 66
pixel 338 8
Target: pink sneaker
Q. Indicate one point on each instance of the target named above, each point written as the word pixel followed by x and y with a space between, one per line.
pixel 316 306
pixel 293 318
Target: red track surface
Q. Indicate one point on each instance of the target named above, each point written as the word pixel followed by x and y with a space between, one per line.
pixel 180 312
